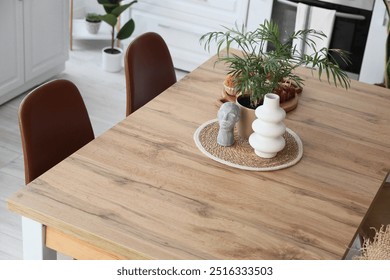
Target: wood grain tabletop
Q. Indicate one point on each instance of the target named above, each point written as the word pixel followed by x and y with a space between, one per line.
pixel 143 190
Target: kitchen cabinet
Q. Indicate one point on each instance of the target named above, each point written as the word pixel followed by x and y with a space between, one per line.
pixel 182 22
pixel 34 44
pixel 373 60
pixel 258 11
pixel 373 65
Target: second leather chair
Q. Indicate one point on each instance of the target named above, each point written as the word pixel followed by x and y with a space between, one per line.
pixel 149 70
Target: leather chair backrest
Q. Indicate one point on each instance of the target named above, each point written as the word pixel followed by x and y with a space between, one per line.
pixel 149 70
pixel 54 123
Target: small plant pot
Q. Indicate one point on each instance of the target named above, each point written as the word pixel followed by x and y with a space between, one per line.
pixel 112 59
pixel 92 27
pixel 228 85
pixel 229 90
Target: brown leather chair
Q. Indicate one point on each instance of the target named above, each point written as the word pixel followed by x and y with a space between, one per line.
pixel 54 123
pixel 149 70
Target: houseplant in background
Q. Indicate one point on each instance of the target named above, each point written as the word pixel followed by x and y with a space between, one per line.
pixel 112 56
pixel 93 21
pixel 256 71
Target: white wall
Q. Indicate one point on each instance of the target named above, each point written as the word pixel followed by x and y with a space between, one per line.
pixel 81 7
pixel 92 6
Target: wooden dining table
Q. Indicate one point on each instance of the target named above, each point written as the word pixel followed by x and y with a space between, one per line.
pixel 143 189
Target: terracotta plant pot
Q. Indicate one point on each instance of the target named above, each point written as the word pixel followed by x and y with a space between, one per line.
pixel 287 91
pixel 228 85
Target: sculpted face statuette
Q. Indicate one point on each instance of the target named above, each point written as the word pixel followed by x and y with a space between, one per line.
pixel 228 115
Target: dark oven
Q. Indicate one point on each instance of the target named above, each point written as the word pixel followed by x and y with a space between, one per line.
pixel 350 30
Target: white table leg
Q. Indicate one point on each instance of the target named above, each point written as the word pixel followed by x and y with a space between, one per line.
pixel 355 249
pixel 34 247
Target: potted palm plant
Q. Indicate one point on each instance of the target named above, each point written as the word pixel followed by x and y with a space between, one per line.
pixel 256 72
pixel 112 56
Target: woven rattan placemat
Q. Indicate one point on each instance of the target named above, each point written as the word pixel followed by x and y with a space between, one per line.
pixel 241 155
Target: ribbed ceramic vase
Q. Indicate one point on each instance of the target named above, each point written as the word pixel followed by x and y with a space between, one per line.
pixel 267 139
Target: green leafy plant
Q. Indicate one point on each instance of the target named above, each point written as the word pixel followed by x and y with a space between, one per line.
pixel 113 9
pixel 257 72
pixel 92 17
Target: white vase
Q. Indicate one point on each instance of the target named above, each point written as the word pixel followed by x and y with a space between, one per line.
pixel 267 139
pixel 112 62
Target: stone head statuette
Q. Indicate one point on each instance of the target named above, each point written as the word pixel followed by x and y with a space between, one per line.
pixel 228 115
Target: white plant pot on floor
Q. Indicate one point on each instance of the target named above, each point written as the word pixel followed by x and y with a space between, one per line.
pixel 112 62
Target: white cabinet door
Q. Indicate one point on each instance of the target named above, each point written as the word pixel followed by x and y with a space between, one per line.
pixel 11 46
pixel 46 32
pixel 373 65
pixel 259 10
pixel 182 22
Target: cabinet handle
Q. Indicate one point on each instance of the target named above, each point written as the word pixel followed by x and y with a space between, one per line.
pixel 385 18
pixel 173 28
pixel 164 26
